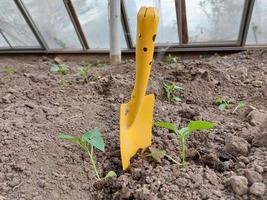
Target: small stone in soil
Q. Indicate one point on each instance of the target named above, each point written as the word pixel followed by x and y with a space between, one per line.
pixel 257 189
pixel 239 184
pixel 236 146
pixel 253 176
pixel 257 117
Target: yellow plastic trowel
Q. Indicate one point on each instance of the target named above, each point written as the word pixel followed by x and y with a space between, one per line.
pixel 136 116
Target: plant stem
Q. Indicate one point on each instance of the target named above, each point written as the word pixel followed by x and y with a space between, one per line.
pixel 92 161
pixel 169 157
pixel 183 152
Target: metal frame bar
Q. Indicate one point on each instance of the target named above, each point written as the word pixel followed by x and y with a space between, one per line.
pixel 3 35
pixel 245 16
pixel 235 43
pixel 184 28
pixel 106 51
pixel 125 26
pixel 200 46
pixel 31 24
pixel 76 23
pixel 178 19
pixel 246 23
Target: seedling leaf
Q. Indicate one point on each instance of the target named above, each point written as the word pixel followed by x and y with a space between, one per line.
pixel 222 106
pixel 218 101
pixel 157 154
pixel 200 125
pixel 239 106
pixel 9 70
pixel 177 99
pixel 94 138
pixel 257 83
pixel 110 174
pixel 54 68
pixel 166 125
pixel 183 133
pixel 70 138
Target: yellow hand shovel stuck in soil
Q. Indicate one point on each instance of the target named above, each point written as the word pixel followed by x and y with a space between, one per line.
pixel 136 116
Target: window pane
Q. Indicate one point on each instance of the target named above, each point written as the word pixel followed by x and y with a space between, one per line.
pixel 3 42
pixel 14 26
pixel 54 23
pixel 168 31
pixel 93 16
pixel 214 20
pixel 257 33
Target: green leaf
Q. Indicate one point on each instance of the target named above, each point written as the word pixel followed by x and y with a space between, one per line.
pixel 166 125
pixel 223 106
pixel 200 125
pixel 219 100
pixel 94 138
pixel 183 133
pixel 178 87
pixel 157 154
pixel 110 174
pixel 177 99
pixel 54 68
pixel 69 138
pixel 9 70
pixel 257 83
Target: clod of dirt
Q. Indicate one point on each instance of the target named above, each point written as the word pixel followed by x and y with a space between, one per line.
pixel 236 146
pixel 103 85
pixel 239 184
pixel 224 156
pixel 211 176
pixel 265 91
pixel 260 138
pixel 125 193
pixel 58 60
pixel 253 176
pixel 37 77
pixel 6 98
pixel 214 162
pixel 257 189
pixel 257 117
pixel 189 113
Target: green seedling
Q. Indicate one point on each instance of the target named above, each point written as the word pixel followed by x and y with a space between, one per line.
pixel 62 70
pixel 9 70
pixel 222 103
pixel 170 89
pixel 161 154
pixel 183 133
pixel 239 106
pixel 100 63
pixel 84 72
pixel 170 59
pixel 257 83
pixel 94 139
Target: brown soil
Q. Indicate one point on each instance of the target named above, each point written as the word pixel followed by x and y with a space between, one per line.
pixel 35 108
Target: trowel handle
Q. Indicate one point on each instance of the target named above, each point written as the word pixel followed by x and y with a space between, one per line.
pixel 147 25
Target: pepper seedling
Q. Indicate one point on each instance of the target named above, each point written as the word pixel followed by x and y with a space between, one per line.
pixel 84 72
pixel 239 106
pixel 100 64
pixel 169 89
pixel 222 104
pixel 61 69
pixel 170 59
pixel 94 139
pixel 183 133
